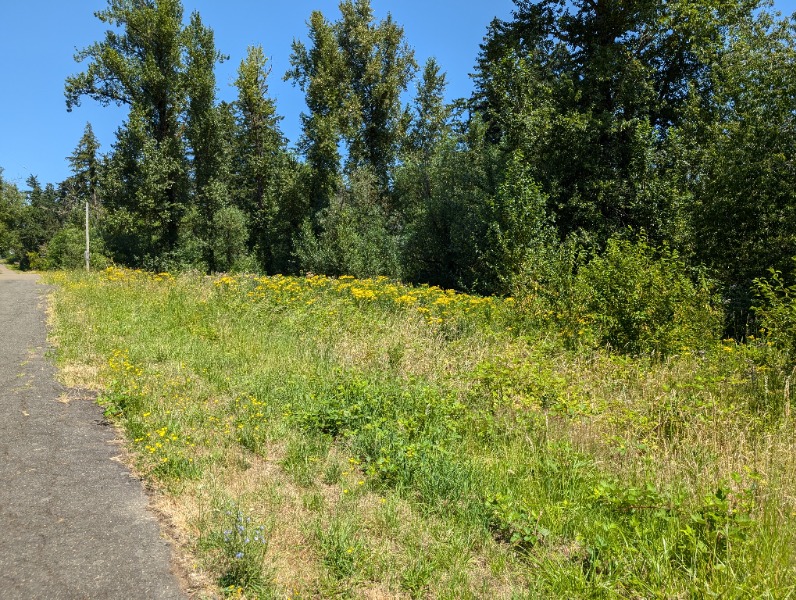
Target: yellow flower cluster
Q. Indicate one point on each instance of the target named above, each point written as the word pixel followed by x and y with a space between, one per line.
pixel 119 362
pixel 118 274
pixel 433 303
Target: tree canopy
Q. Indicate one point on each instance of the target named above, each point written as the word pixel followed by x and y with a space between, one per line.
pixel 590 121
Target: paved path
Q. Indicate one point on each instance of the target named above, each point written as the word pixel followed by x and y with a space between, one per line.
pixel 73 522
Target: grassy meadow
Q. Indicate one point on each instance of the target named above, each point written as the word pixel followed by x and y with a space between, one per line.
pixel 320 437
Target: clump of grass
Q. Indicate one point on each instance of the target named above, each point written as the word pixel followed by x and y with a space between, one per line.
pixel 417 441
pixel 239 545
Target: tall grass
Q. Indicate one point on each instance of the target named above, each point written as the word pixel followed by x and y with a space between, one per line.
pixel 382 440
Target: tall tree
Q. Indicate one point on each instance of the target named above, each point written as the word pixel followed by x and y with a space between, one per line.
pixel 353 76
pixel 430 121
pixel 429 126
pixel 85 165
pixel 379 65
pixel 588 91
pixel 38 220
pixel 204 131
pixel 735 156
pixel 319 72
pixel 261 152
pixel 141 65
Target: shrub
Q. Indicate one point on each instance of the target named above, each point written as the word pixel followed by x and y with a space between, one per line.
pixel 355 237
pixel 643 300
pixel 547 295
pixel 776 311
pixel 66 250
pixel 229 238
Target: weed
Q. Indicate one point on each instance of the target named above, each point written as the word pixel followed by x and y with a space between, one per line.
pixel 418 441
pixel 342 551
pixel 240 545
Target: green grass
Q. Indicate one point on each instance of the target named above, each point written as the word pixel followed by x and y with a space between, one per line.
pixel 412 442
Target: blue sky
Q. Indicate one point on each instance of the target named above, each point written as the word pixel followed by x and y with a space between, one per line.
pixel 38 39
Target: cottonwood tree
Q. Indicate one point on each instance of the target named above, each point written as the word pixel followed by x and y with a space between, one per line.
pixel 353 76
pixel 162 72
pixel 204 131
pixel 320 73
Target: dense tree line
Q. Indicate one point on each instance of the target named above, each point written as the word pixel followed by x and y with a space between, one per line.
pixel 667 124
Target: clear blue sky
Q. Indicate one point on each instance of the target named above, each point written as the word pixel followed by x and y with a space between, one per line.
pixel 38 39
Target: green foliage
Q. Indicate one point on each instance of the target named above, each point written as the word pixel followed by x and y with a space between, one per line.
pixel 230 234
pixel 517 226
pixel 239 544
pixel 85 164
pixel 644 301
pixel 587 120
pixel 732 157
pixel 355 236
pixel 206 129
pixel 66 250
pixel 353 75
pixel 776 311
pixel 163 71
pixel 11 208
pixel 36 222
pixel 577 87
pixel 265 175
pixel 446 239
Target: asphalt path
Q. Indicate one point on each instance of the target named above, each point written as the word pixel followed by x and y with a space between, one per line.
pixel 74 523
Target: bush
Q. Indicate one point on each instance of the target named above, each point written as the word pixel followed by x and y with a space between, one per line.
pixel 230 235
pixel 776 311
pixel 354 237
pixel 547 295
pixel 643 300
pixel 66 250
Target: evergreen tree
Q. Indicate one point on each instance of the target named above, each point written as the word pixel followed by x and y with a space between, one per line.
pixel 588 91
pixel 419 170
pixel 85 165
pixel 430 125
pixel 37 221
pixel 430 121
pixel 261 157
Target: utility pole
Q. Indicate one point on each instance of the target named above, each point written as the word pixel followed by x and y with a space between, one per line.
pixel 88 267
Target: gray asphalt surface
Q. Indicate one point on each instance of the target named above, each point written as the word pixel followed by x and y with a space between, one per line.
pixel 73 522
